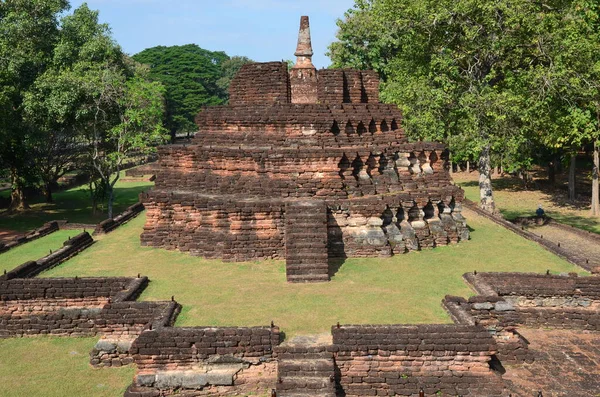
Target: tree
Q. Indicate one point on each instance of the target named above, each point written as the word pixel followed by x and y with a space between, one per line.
pixel 29 32
pixel 191 76
pixel 476 74
pixel 97 101
pixel 139 106
pixel 569 82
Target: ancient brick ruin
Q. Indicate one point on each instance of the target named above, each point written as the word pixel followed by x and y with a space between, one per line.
pixel 464 358
pixel 293 138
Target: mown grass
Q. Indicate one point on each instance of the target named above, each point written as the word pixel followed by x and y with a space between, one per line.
pixel 35 249
pixel 56 367
pixel 73 205
pixel 513 201
pixel 402 289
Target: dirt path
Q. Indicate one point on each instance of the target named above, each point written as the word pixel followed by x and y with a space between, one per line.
pixel 585 249
pixel 7 235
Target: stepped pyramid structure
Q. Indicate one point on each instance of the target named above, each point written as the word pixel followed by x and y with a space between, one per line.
pixel 306 165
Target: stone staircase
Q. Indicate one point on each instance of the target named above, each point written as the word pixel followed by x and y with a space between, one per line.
pixel 306 241
pixel 305 369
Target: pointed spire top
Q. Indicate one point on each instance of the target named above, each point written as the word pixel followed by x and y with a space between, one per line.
pixel 304 51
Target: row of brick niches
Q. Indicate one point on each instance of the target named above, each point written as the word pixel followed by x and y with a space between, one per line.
pixel 269 82
pixel 368 359
pixel 333 124
pixel 238 230
pixel 320 173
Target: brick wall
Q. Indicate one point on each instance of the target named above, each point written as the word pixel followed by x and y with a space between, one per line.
pixel 46 229
pixel 398 360
pixel 111 224
pixel 260 83
pixel 76 307
pixel 511 300
pixel 69 249
pixel 170 348
pixel 239 230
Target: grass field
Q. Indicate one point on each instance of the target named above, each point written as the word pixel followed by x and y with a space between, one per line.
pixel 402 289
pixel 73 205
pixel 35 249
pixel 513 201
pixel 56 367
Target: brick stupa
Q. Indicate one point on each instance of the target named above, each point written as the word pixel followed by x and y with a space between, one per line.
pixel 304 165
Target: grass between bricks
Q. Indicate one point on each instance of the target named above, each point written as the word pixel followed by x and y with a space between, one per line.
pixel 56 367
pixel 73 205
pixel 402 289
pixel 35 249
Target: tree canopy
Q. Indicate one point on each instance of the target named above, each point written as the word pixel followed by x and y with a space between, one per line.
pixel 193 77
pixel 499 79
pixel 72 98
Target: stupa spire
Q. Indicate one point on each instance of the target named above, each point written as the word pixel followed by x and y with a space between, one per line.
pixel 304 51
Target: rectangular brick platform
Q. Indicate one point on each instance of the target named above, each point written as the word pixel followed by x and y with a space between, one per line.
pixel 306 241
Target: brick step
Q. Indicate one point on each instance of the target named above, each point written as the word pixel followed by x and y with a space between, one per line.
pixel 306 245
pixel 316 265
pixel 309 263
pixel 307 278
pixel 306 254
pixel 283 354
pixel 306 383
pixel 307 394
pixel 308 271
pixel 306 367
pixel 305 234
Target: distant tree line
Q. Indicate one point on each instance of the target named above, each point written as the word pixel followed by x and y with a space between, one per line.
pixel 71 99
pixel 193 77
pixel 508 82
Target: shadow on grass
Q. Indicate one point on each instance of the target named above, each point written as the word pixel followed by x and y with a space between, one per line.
pixel 73 205
pixel 335 265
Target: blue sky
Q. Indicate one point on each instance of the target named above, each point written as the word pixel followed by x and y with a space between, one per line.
pixel 264 30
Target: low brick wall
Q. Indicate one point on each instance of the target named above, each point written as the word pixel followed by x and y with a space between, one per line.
pixel 203 359
pixel 400 359
pixel 78 307
pixel 510 300
pixel 69 249
pixel 46 229
pixel 111 224
pixel 183 347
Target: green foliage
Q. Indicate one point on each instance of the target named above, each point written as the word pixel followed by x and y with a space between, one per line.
pixel 511 74
pixel 29 32
pixel 193 78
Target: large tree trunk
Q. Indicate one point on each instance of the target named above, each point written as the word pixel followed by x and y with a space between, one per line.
pixel 48 192
pixel 468 166
pixel 572 168
pixel 552 171
pixel 111 198
pixel 595 187
pixel 485 181
pixel 17 196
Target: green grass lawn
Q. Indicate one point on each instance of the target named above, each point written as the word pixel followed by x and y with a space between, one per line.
pixel 35 249
pixel 513 202
pixel 56 367
pixel 402 289
pixel 73 204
